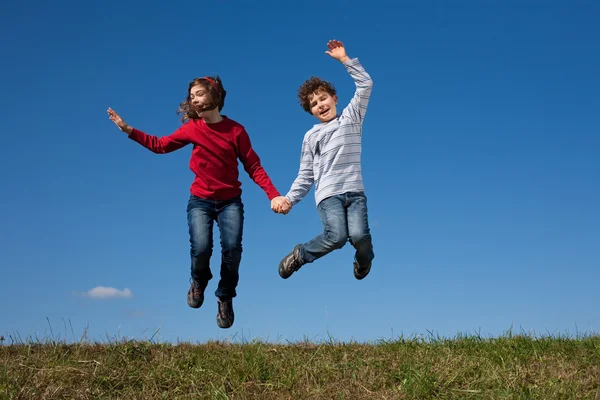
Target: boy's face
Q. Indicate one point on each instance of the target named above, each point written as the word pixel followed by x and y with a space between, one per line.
pixel 199 98
pixel 322 105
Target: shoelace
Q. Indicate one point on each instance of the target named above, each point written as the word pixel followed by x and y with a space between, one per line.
pixel 360 267
pixel 295 264
pixel 224 309
pixel 195 289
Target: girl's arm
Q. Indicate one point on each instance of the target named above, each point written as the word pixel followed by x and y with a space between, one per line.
pixel 252 166
pixel 162 145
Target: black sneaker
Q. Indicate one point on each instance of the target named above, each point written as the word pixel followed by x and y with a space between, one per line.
pixel 225 315
pixel 290 263
pixel 195 296
pixel 361 272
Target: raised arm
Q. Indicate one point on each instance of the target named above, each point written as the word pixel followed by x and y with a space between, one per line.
pixel 162 145
pixel 357 107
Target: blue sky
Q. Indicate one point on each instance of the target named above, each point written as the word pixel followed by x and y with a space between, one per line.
pixel 480 159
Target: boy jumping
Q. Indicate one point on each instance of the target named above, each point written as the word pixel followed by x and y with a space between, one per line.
pixel 331 160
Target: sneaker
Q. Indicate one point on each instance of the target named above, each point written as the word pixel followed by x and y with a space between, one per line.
pixel 195 296
pixel 225 316
pixel 361 272
pixel 290 263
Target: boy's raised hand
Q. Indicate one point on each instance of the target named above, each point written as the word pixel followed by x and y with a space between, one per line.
pixel 337 51
pixel 119 122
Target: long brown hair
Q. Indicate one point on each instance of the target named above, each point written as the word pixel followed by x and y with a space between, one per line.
pixel 214 86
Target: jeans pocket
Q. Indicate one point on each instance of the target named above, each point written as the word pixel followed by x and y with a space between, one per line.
pixel 197 202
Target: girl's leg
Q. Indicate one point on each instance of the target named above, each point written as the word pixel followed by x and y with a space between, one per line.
pixel 200 215
pixel 230 218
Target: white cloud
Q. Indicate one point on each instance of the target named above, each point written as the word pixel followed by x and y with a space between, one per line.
pixel 101 293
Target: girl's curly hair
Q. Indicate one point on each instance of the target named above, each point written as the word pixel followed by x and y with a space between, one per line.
pixel 310 87
pixel 217 94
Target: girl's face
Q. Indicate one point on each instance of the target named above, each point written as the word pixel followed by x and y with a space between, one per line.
pixel 200 98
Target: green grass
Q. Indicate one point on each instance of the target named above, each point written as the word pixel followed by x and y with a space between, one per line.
pixel 464 367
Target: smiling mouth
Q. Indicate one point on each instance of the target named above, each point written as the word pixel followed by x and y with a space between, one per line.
pixel 324 112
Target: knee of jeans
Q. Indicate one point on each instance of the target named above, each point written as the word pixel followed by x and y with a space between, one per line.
pixel 204 255
pixel 232 249
pixel 356 238
pixel 336 239
pixel 200 249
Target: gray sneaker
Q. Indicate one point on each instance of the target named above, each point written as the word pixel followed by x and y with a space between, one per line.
pixel 291 263
pixel 195 296
pixel 361 272
pixel 225 315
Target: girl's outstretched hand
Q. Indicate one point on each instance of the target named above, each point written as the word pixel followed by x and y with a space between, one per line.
pixel 337 51
pixel 119 122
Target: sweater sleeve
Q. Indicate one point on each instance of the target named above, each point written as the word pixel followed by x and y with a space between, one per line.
pixel 305 178
pixel 165 144
pixel 357 107
pixel 252 166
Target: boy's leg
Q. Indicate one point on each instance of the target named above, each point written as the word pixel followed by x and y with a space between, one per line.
pixel 334 236
pixel 335 230
pixel 360 234
pixel 200 215
pixel 231 221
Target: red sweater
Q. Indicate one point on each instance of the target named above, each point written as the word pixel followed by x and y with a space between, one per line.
pixel 217 148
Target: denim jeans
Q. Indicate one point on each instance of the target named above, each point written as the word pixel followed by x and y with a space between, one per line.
pixel 344 218
pixel 229 215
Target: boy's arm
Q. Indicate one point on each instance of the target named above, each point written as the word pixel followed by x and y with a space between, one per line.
pixel 305 178
pixel 358 105
pixel 252 166
pixel 162 145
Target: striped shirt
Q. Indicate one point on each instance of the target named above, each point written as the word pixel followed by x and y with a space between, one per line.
pixel 331 151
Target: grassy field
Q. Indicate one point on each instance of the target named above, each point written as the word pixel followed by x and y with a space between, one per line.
pixel 463 367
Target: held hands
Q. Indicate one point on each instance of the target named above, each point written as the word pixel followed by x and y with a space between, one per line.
pixel 337 51
pixel 119 122
pixel 281 205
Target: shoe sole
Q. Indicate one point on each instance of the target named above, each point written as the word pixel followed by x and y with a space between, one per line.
pixel 222 325
pixel 191 305
pixel 362 276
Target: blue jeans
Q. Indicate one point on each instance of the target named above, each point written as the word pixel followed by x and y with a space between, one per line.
pixel 344 218
pixel 229 215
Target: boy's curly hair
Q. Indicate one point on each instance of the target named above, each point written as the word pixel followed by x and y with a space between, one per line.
pixel 310 87
pixel 218 95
